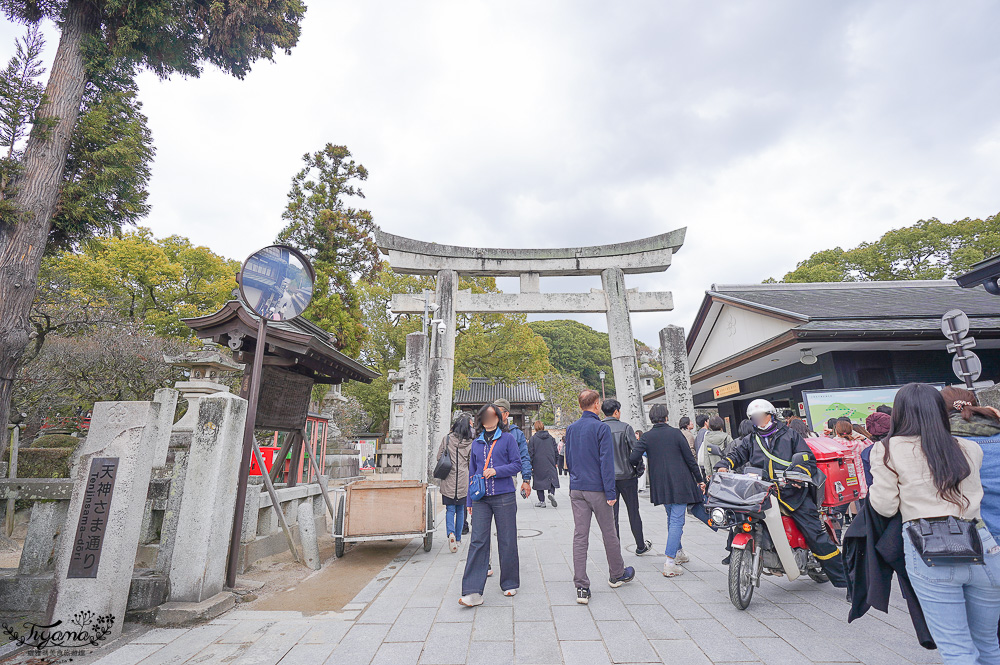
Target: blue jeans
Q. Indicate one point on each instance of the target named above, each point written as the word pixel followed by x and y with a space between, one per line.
pixel 454 521
pixel 961 604
pixel 675 524
pixel 502 509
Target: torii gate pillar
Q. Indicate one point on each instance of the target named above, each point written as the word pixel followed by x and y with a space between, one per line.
pixel 623 360
pixel 441 375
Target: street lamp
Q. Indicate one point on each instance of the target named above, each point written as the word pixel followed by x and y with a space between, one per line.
pixel 602 375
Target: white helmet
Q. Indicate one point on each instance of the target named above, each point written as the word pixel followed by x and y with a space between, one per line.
pixel 760 406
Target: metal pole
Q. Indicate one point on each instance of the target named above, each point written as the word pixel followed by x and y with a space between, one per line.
pixel 15 438
pixel 321 479
pixel 248 445
pixel 274 502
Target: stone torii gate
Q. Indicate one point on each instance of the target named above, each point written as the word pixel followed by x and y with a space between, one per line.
pixel 447 262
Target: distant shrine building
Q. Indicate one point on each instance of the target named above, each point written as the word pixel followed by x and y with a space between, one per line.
pixel 774 341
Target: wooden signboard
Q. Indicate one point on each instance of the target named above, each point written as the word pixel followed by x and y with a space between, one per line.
pixel 378 507
pixel 284 399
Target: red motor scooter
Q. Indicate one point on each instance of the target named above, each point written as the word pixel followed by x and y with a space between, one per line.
pixel 764 539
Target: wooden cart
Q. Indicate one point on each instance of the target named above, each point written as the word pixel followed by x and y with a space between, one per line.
pixel 384 510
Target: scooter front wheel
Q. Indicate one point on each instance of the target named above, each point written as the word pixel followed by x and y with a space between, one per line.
pixel 741 578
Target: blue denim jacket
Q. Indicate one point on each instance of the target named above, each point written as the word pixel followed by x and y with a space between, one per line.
pixel 989 474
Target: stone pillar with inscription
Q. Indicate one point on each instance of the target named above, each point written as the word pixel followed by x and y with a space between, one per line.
pixel 201 542
pixel 415 441
pixel 96 554
pixel 623 360
pixel 676 374
pixel 441 380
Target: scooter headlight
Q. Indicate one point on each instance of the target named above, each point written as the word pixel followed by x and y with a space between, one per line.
pixel 718 516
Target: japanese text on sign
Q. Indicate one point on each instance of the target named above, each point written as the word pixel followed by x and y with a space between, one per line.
pixel 88 540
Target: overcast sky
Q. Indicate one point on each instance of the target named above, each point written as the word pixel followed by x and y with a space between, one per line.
pixel 769 129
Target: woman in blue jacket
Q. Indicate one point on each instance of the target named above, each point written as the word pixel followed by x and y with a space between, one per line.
pixel 496 457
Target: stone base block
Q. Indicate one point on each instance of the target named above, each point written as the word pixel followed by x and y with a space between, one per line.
pixel 23 593
pixel 183 614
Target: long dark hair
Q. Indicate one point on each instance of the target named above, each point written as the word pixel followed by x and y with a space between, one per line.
pixel 462 426
pixel 746 428
pixel 799 426
pixel 479 419
pixel 919 410
pixel 965 403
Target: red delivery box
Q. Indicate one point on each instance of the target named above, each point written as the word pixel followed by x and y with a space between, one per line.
pixel 837 461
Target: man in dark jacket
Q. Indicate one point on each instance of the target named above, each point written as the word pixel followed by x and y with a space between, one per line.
pixel 770 447
pixel 675 482
pixel 626 474
pixel 590 458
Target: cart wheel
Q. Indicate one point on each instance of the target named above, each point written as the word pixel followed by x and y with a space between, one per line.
pixel 428 542
pixel 338 527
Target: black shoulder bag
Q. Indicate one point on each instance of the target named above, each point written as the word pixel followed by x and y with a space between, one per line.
pixel 443 467
pixel 946 541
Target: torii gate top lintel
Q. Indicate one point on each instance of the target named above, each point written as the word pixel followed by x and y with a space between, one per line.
pixel 416 257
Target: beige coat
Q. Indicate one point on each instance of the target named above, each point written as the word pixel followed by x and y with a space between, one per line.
pixel 906 485
pixel 456 485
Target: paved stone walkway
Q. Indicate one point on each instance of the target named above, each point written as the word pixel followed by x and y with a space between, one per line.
pixel 409 615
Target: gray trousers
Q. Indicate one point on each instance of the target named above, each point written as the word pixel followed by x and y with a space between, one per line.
pixel 584 505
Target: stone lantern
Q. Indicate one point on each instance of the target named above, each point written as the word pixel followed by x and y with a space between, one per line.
pixel 647 375
pixel 204 369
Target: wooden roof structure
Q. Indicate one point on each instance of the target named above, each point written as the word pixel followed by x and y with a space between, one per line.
pixel 296 345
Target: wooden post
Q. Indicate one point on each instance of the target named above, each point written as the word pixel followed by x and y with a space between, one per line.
pixel 293 463
pixel 274 503
pixel 321 479
pixel 15 438
pixel 278 464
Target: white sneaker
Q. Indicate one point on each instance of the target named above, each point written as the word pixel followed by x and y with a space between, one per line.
pixel 452 543
pixel 510 592
pixel 671 569
pixel 472 600
pixel 681 557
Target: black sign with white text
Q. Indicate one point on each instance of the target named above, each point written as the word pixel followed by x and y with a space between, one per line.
pixel 88 540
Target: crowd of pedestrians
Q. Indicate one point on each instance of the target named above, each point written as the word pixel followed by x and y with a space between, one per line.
pixel 931 465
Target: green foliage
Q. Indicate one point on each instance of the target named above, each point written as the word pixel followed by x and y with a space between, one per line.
pixel 20 95
pixel 929 249
pixel 577 349
pixel 562 406
pixel 108 166
pixel 336 236
pixel 177 36
pixel 56 441
pixel 496 346
pixel 135 278
pixel 37 462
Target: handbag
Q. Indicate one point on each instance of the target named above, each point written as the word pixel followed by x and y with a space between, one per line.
pixel 477 484
pixel 443 468
pixel 946 541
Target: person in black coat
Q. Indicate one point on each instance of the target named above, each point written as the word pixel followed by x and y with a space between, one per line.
pixel 544 452
pixel 675 481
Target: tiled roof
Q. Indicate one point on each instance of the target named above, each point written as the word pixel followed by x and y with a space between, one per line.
pixel 865 300
pixel 481 391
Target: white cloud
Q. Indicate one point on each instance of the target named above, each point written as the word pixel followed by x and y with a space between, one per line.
pixel 769 129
